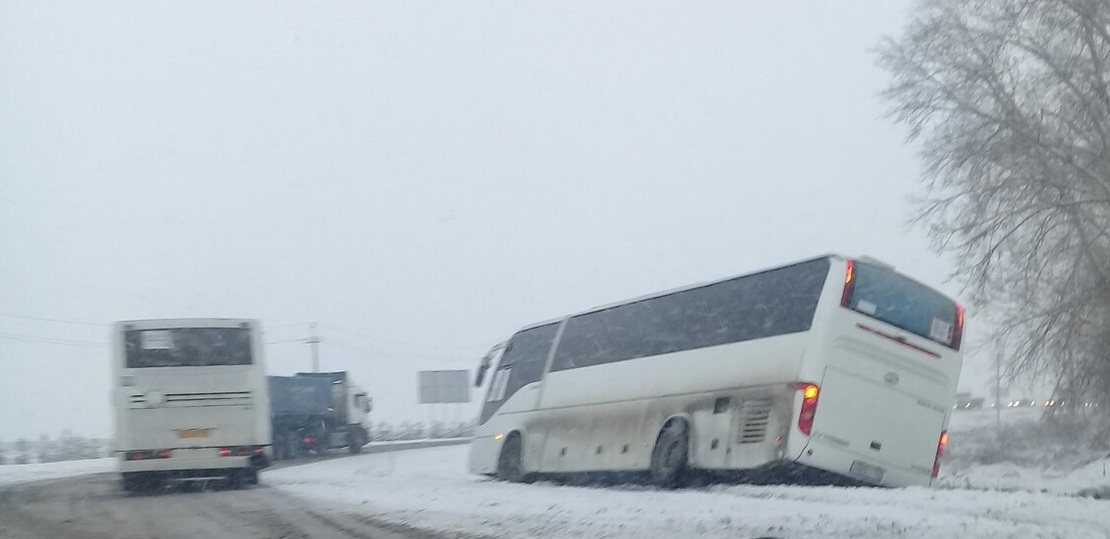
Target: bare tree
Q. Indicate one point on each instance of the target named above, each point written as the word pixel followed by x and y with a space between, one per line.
pixel 1010 101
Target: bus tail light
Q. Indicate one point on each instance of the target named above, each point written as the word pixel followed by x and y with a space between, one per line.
pixel 849 285
pixel 810 393
pixel 147 455
pixel 941 444
pixel 958 331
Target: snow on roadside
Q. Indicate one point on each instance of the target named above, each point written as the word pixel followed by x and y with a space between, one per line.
pixel 430 489
pixel 12 474
pixel 1019 457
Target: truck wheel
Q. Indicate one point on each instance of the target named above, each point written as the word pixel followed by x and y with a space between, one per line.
pixel 290 442
pixel 355 442
pixel 671 455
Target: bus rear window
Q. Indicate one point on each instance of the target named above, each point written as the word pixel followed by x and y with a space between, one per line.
pixel 902 302
pixel 187 347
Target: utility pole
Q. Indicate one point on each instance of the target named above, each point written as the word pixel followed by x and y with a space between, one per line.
pixel 314 341
pixel 998 388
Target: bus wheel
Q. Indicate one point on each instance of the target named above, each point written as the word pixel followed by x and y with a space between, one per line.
pixel 509 466
pixel 669 459
pixel 131 482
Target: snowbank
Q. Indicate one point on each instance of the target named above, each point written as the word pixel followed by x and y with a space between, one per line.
pixel 22 473
pixel 430 489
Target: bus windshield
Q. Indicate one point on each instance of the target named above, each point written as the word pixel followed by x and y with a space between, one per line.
pixel 187 347
pixel 904 303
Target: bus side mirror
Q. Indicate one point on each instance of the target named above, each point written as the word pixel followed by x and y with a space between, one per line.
pixel 481 374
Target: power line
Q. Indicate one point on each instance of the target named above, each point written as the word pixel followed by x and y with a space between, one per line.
pixel 419 357
pixel 57 320
pixel 383 343
pixel 51 340
pixel 289 325
pixel 285 342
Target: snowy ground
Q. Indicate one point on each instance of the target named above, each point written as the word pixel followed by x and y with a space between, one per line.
pixel 429 489
pixel 23 473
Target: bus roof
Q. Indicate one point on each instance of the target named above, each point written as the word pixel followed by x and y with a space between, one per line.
pixel 165 323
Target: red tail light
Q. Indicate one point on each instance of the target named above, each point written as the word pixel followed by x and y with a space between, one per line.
pixel 241 451
pixel 147 455
pixel 309 440
pixel 810 392
pixel 849 284
pixel 958 331
pixel 941 444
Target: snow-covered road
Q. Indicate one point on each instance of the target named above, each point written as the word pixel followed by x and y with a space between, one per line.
pixel 430 489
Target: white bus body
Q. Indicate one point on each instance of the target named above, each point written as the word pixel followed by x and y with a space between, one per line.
pixel 191 400
pixel 825 366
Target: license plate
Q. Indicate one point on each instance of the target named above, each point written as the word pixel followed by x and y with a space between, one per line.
pixel 867 472
pixel 186 434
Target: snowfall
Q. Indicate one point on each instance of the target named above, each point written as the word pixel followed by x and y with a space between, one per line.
pixel 1037 490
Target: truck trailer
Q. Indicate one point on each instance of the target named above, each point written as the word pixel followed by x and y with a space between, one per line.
pixel 312 412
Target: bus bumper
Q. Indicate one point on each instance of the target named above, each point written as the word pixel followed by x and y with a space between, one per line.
pixel 182 460
pixel 484 451
pixel 849 464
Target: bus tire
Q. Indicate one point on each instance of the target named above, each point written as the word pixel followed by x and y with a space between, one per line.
pixel 131 482
pixel 671 454
pixel 510 461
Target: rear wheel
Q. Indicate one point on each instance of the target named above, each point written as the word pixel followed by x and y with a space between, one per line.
pixel 509 467
pixel 670 457
pixel 131 482
pixel 355 442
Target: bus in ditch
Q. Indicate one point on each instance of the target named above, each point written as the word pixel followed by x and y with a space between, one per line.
pixel 831 368
pixel 191 401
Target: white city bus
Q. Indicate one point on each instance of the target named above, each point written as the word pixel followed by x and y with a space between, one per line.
pixel 191 401
pixel 830 367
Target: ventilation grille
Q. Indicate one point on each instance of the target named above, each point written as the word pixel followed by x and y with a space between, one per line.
pixel 754 416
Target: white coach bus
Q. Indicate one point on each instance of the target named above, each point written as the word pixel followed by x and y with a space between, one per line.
pixel 191 401
pixel 826 366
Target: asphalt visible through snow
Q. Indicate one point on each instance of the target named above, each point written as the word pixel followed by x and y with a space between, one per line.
pixel 95 507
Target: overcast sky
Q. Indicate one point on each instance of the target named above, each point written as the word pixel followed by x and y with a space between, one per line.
pixel 419 178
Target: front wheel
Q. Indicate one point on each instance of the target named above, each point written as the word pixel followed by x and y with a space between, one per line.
pixel 509 466
pixel 670 457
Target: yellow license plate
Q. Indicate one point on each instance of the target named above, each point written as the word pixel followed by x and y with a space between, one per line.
pixel 192 433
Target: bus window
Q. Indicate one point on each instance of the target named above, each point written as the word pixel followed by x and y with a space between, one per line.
pixel 521 364
pixel 903 303
pixel 187 347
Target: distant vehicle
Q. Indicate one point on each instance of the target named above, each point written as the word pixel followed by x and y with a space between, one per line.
pixel 191 401
pixel 314 412
pixel 831 364
pixel 964 401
